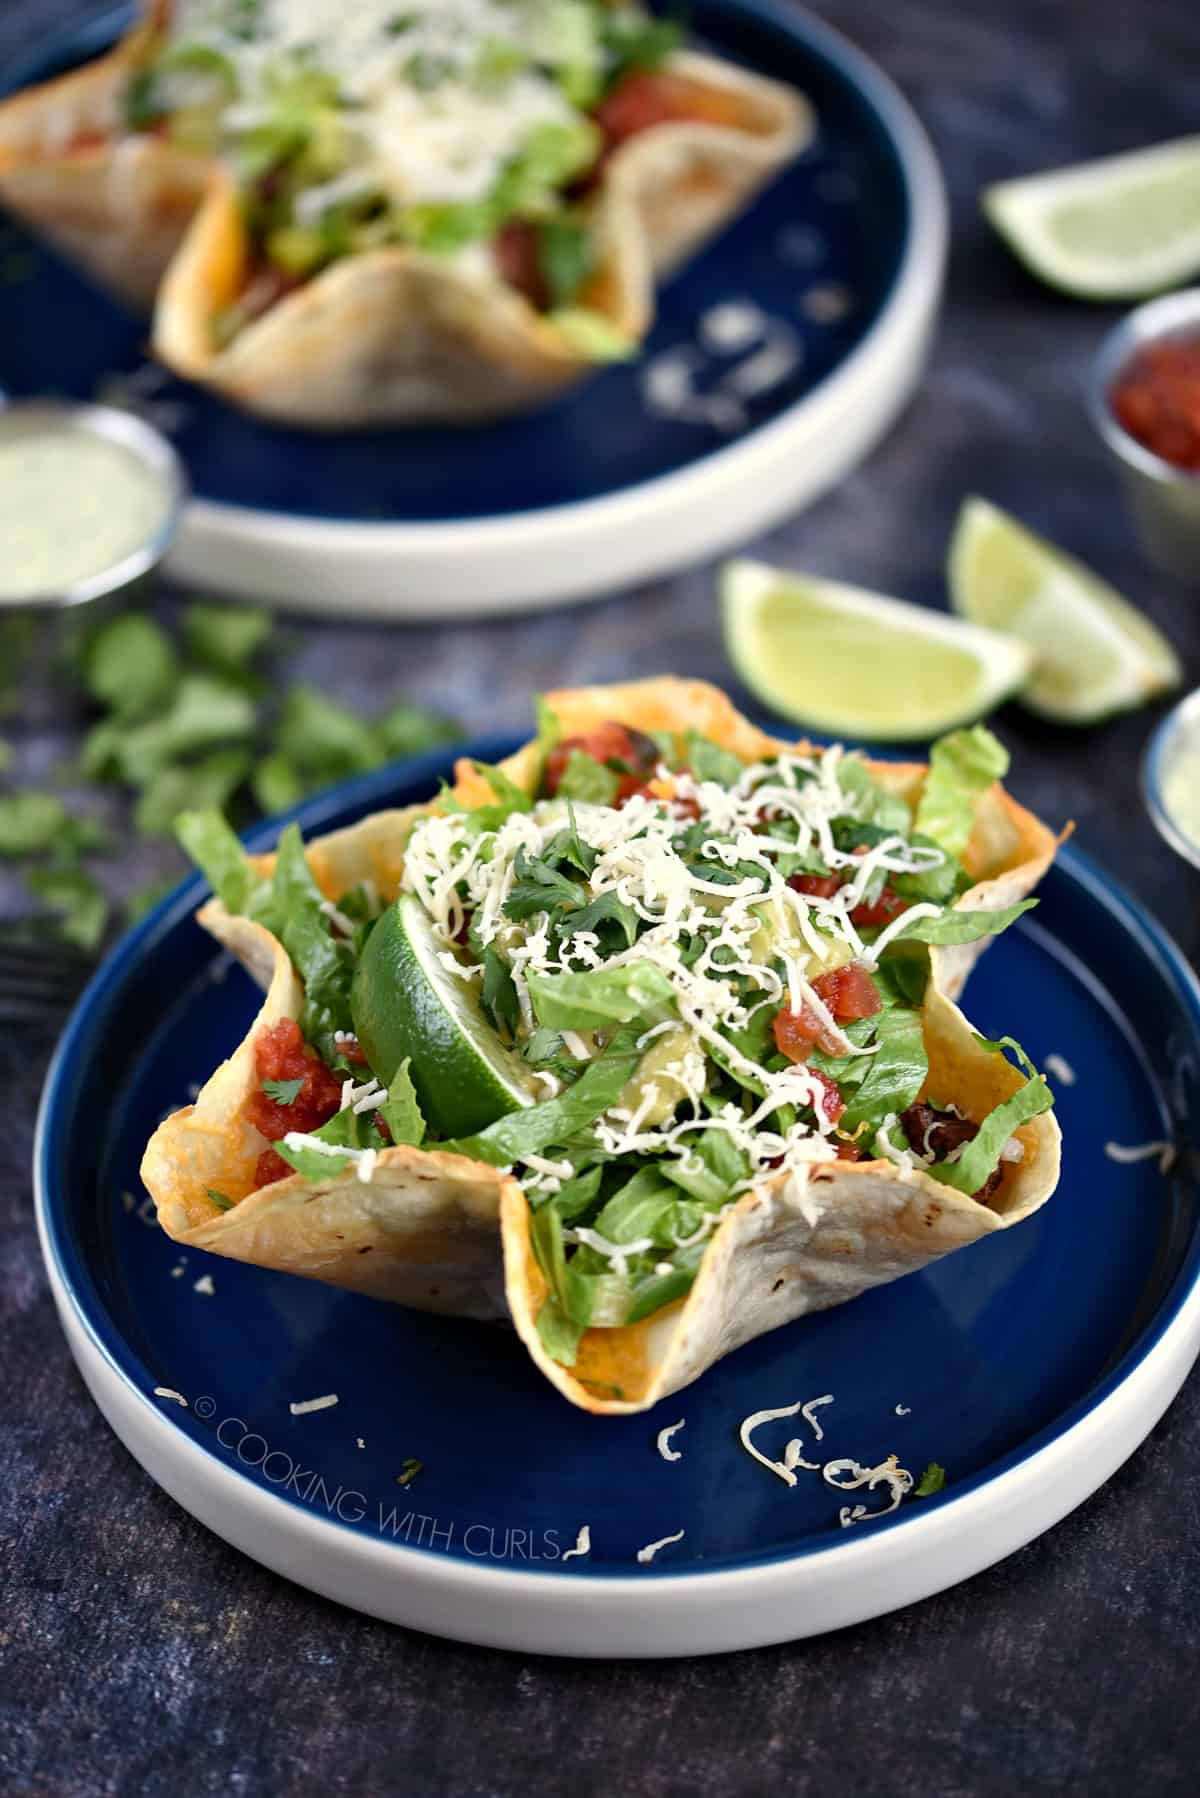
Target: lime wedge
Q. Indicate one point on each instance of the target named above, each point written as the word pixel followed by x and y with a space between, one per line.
pixel 1095 653
pixel 855 664
pixel 407 1004
pixel 1109 230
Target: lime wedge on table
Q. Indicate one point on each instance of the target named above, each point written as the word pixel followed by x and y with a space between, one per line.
pixel 856 664
pixel 407 1004
pixel 1095 653
pixel 1108 230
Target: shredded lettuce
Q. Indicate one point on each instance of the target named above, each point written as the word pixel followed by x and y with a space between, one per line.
pixel 214 847
pixel 874 804
pixel 556 1121
pixel 979 1158
pixel 402 1112
pixel 895 1073
pixel 602 997
pixel 964 926
pixel 962 767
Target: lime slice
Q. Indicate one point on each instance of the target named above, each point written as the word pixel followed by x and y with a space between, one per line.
pixel 407 1003
pixel 1095 653
pixel 1109 230
pixel 854 664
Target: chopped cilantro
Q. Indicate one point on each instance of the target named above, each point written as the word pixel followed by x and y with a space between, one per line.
pixel 409 1471
pixel 76 900
pixel 219 1198
pixel 284 1092
pixel 29 821
pixel 931 1481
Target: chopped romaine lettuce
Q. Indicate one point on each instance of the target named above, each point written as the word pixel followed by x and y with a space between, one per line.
pixel 962 767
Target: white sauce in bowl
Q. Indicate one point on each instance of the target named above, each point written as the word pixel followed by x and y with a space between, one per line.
pixel 1181 787
pixel 72 505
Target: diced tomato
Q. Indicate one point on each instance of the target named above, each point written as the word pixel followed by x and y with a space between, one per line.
pixel 280 1053
pixel 515 249
pixel 353 1050
pixel 647 97
pixel 607 743
pixel 796 1032
pixel 832 1103
pixel 845 1150
pixel 889 905
pixel 815 886
pixel 848 993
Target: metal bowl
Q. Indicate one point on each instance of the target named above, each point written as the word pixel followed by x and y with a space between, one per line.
pixel 1165 500
pixel 1171 737
pixel 31 418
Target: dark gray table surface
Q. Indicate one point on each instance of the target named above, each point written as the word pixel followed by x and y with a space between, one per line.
pixel 140 1655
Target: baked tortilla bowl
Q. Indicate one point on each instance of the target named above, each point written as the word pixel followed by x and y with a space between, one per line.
pixel 398 335
pixel 115 203
pixel 444 1233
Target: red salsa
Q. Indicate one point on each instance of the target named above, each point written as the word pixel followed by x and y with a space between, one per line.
pixel 1156 398
pixel 281 1053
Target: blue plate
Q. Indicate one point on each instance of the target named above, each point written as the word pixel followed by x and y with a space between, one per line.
pixel 1002 1362
pixel 823 260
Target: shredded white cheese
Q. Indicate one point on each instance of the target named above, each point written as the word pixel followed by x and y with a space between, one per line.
pixel 791 1459
pixel 1060 1069
pixel 888 1473
pixel 302 1407
pixel 806 1412
pixel 583 1543
pixel 205 1285
pixel 647 1554
pixel 663 1441
pixel 903 1410
pixel 170 1392
pixel 1129 1153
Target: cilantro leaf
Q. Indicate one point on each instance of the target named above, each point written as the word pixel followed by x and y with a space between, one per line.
pixel 500 994
pixel 208 784
pixel 79 903
pixel 30 821
pixel 130 665
pixel 931 1481
pixel 540 886
pixel 708 761
pixel 226 638
pixel 586 779
pixel 284 1092
pixel 203 712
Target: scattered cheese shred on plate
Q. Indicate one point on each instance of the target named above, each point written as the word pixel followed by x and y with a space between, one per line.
pixel 647 1554
pixel 583 1543
pixel 306 1405
pixel 1060 1069
pixel 205 1285
pixel 889 1473
pixel 663 1441
pixel 1128 1153
pixel 170 1392
pixel 791 1455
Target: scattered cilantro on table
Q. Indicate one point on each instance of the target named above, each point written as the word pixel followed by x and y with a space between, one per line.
pixel 191 716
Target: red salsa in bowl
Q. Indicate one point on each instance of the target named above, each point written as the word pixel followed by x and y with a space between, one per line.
pixel 1155 397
